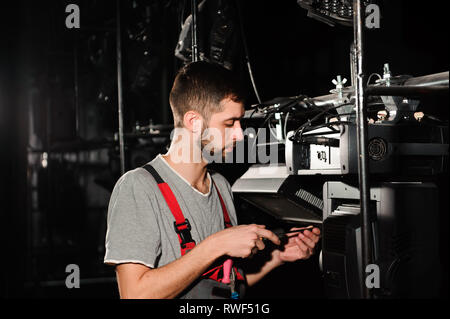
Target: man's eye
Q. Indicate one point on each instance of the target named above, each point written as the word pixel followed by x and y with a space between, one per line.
pixel 229 124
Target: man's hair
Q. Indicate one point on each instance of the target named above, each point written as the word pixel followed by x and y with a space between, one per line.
pixel 201 86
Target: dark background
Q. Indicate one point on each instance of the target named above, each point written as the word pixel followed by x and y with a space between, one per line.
pixel 58 95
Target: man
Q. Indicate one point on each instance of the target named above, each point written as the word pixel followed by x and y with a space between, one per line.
pixel 170 222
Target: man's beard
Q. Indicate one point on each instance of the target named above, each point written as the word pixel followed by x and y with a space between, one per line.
pixel 212 151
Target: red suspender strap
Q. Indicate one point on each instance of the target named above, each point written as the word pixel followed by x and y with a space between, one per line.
pixel 214 273
pixel 226 217
pixel 181 225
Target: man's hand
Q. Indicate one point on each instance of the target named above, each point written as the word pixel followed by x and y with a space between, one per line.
pixel 168 281
pixel 242 241
pixel 299 246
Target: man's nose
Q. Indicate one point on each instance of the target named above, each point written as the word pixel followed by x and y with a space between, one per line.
pixel 238 134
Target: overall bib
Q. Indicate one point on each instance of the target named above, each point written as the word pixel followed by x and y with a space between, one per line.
pixel 183 229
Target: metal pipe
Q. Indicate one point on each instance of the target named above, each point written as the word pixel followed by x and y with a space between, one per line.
pixel 363 163
pixel 436 79
pixel 352 71
pixel 334 99
pixel 406 91
pixel 429 84
pixel 194 31
pixel 119 89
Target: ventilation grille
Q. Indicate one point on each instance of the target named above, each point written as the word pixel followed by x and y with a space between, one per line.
pixel 335 233
pixel 310 198
pixel 377 149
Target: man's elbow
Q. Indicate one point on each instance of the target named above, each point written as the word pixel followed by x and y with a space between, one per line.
pixel 140 282
pixel 134 295
pixel 136 291
pixel 131 292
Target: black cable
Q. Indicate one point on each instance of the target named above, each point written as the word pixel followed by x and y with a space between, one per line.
pixel 323 133
pixel 328 124
pixel 251 114
pixel 247 58
pixel 301 129
pixel 284 102
pixel 308 123
pixel 262 126
pixel 290 105
pixel 299 139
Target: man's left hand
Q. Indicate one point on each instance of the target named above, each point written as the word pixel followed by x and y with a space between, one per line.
pixel 299 246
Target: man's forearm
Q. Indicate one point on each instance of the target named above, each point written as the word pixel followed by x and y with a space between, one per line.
pixel 270 265
pixel 170 280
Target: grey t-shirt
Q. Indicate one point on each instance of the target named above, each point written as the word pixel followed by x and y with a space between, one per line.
pixel 140 225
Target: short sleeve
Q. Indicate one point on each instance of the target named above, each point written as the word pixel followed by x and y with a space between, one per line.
pixel 133 233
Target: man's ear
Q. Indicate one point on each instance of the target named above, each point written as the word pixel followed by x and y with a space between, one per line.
pixel 193 121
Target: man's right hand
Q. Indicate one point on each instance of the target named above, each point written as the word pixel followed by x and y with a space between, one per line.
pixel 168 281
pixel 241 241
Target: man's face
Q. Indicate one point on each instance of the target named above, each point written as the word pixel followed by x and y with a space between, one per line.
pixel 224 128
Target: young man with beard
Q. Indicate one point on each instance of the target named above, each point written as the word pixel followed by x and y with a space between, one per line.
pixel 172 223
